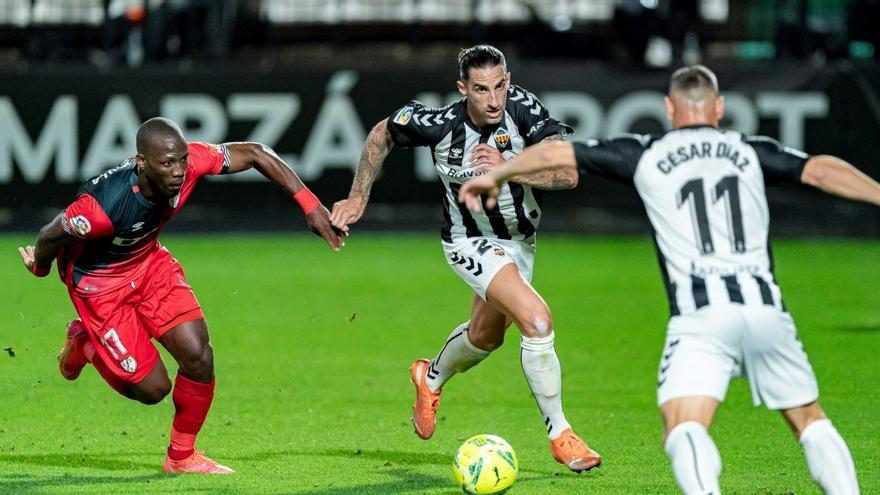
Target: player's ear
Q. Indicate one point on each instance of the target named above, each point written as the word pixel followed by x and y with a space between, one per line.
pixel 719 107
pixel 141 162
pixel 507 77
pixel 670 108
pixel 462 88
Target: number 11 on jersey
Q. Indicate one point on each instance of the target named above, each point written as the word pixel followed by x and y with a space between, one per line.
pixel 728 188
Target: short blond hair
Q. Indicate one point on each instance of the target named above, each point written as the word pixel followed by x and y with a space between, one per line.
pixel 693 82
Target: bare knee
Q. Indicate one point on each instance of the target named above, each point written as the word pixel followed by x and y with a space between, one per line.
pixel 676 411
pixel 799 418
pixel 197 363
pixel 152 392
pixel 538 323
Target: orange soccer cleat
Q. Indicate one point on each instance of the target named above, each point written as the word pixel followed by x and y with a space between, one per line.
pixel 427 401
pixel 196 463
pixel 571 450
pixel 75 353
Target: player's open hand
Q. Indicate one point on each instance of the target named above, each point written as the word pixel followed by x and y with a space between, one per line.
pixel 485 158
pixel 470 192
pixel 30 261
pixel 319 223
pixel 347 212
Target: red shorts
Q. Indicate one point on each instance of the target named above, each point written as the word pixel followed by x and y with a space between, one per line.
pixel 122 322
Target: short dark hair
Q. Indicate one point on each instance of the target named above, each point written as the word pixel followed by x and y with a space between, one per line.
pixel 693 80
pixel 153 129
pixel 480 56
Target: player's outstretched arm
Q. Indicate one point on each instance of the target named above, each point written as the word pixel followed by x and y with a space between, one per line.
pixel 486 157
pixel 243 156
pixel 376 148
pixel 835 176
pixel 546 155
pixel 38 258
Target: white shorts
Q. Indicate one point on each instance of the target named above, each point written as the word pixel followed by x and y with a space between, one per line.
pixel 477 259
pixel 706 348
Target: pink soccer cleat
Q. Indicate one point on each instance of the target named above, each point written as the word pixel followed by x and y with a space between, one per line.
pixel 196 463
pixel 427 401
pixel 76 352
pixel 571 450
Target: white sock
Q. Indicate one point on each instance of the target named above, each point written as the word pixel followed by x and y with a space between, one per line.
pixel 457 355
pixel 829 459
pixel 544 374
pixel 695 459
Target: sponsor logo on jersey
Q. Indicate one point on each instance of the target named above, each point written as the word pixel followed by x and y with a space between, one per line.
pixel 501 137
pixel 129 364
pixel 455 153
pixel 499 252
pixel 80 225
pixel 535 128
pixel 137 226
pixel 403 115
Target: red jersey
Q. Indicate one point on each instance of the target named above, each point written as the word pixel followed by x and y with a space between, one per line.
pixel 118 228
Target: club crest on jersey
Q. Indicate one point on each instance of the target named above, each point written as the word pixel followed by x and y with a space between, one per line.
pixel 80 225
pixel 403 115
pixel 129 364
pixel 502 137
pixel 499 252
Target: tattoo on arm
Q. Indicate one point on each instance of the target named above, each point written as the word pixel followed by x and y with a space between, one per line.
pixel 550 179
pixel 375 150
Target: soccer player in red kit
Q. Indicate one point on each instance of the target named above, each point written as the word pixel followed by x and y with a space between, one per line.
pixel 128 289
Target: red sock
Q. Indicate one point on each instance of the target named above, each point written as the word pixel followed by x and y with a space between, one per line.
pixel 191 402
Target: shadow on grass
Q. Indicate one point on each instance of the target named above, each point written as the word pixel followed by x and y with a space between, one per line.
pixel 391 456
pixel 392 463
pixel 109 462
pixel 856 328
pixel 27 484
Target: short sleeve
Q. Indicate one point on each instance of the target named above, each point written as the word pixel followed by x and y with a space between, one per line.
pixel 532 118
pixel 779 163
pixel 85 219
pixel 208 159
pixel 417 125
pixel 615 158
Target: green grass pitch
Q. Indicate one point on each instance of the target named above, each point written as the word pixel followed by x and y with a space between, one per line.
pixel 312 351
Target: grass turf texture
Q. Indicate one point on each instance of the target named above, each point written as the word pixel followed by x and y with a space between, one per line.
pixel 312 350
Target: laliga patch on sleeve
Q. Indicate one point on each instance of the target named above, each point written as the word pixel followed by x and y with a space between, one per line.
pixel 215 149
pixel 403 115
pixel 79 226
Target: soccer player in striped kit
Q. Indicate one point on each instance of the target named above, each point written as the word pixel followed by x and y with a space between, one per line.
pixel 703 190
pixel 493 250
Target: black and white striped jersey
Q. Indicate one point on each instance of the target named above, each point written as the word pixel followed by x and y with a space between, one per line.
pixel 703 190
pixel 451 135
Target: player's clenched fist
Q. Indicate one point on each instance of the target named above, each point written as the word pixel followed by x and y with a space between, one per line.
pixel 347 212
pixel 470 192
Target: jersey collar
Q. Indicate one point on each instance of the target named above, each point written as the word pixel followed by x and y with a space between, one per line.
pixel 136 190
pixel 696 126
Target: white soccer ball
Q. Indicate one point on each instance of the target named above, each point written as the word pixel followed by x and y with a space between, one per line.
pixel 485 464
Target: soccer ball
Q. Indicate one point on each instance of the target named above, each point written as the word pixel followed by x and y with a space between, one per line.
pixel 485 464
